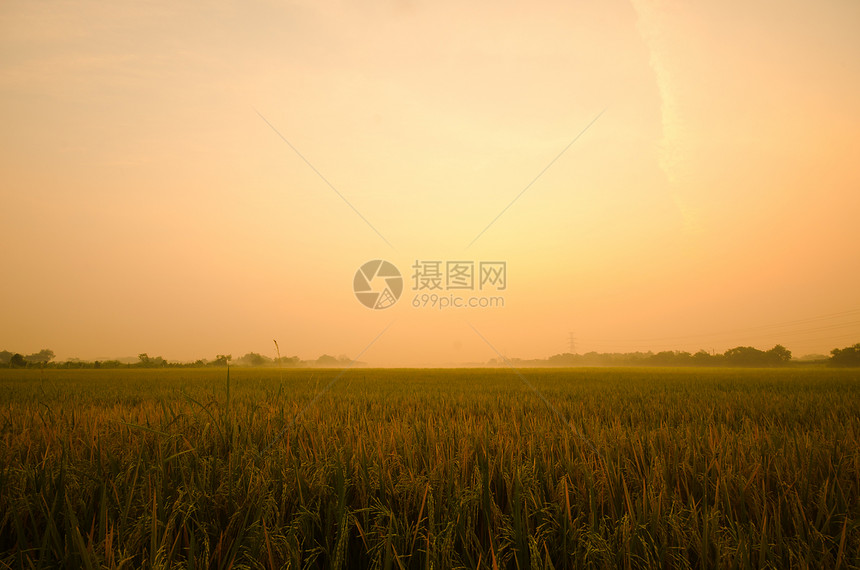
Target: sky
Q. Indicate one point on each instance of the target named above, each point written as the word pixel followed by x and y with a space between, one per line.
pixel 193 179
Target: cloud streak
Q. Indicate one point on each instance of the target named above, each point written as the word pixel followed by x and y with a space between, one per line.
pixel 675 152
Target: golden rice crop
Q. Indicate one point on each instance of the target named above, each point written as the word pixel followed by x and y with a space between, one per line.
pixel 430 468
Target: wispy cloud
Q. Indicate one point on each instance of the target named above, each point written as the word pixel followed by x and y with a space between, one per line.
pixel 675 148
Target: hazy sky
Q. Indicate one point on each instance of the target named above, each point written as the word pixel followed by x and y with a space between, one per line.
pixel 147 207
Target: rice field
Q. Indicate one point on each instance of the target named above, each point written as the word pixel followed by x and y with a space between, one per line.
pixel 397 469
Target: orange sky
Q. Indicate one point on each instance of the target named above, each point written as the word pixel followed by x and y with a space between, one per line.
pixel 148 207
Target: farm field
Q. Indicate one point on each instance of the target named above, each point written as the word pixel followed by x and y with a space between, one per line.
pixel 430 468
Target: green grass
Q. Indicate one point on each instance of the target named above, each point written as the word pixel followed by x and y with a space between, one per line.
pixel 705 468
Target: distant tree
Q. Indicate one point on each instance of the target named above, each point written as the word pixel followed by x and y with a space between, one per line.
pixel 17 361
pixel 683 358
pixel 665 358
pixel 671 358
pixel 327 360
pixel 744 356
pixel 849 356
pixel 5 357
pixel 564 359
pixel 147 361
pixel 44 356
pixel 813 358
pixel 779 355
pixel 222 360
pixel 289 361
pixel 749 356
pixel 702 358
pixel 253 359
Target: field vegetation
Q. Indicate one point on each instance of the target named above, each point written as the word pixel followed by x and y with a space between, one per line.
pixel 396 469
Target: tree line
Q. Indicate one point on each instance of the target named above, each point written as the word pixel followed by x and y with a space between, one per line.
pixel 45 359
pixel 738 356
